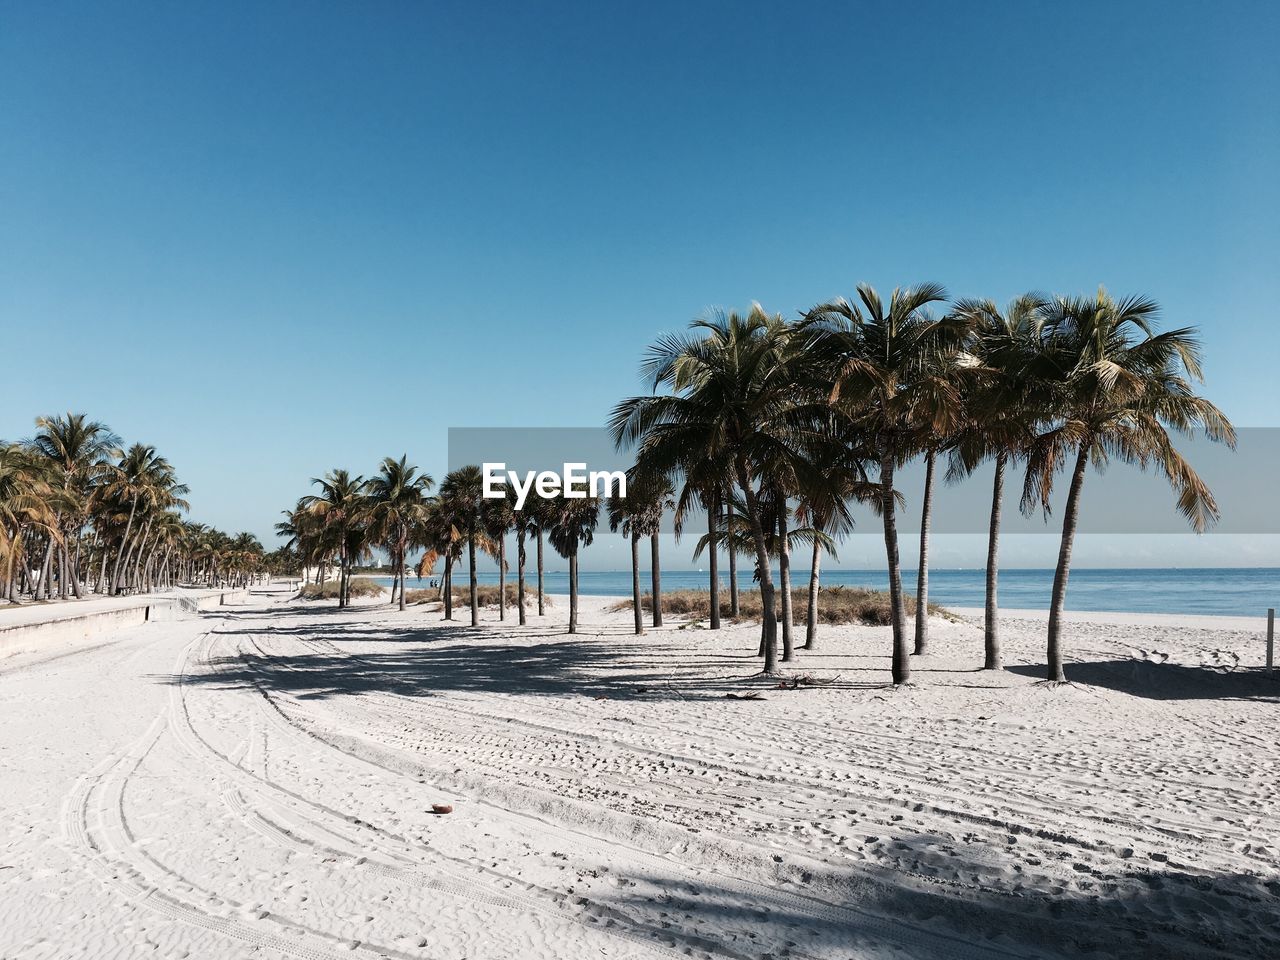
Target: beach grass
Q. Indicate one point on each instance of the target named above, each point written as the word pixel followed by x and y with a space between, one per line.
pixel 486 596
pixel 838 604
pixel 359 587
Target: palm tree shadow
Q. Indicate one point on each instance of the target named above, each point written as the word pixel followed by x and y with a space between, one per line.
pixel 1127 915
pixel 476 660
pixel 1167 681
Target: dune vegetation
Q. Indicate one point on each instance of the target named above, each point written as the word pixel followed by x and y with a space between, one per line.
pixel 836 605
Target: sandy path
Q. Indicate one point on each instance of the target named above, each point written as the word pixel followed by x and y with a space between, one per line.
pixel 258 783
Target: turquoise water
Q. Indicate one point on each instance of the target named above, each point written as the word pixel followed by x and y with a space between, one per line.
pixel 1223 592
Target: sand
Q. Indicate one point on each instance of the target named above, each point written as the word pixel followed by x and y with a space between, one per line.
pixel 259 783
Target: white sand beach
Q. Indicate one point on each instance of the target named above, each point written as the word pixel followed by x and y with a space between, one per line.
pixel 259 782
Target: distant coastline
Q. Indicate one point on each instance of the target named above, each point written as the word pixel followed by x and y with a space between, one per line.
pixel 1210 591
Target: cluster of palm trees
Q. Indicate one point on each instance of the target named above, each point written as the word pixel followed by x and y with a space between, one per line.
pixel 395 510
pixel 776 430
pixel 79 515
pixel 761 421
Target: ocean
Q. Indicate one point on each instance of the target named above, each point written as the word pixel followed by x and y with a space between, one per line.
pixel 1246 591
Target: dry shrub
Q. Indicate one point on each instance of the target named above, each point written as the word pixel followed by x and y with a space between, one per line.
pixel 359 587
pixel 486 596
pixel 836 604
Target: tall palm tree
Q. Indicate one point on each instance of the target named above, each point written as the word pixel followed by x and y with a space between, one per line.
pixel 441 537
pixel 540 512
pixel 705 488
pixel 831 478
pixel 1005 407
pixel 78 451
pixel 25 507
pixel 730 526
pixel 732 392
pixel 397 500
pixel 1120 389
pixel 572 527
pixel 499 518
pixel 525 522
pixel 659 497
pixel 876 357
pixel 943 381
pixel 462 499
pixel 630 515
pixel 340 506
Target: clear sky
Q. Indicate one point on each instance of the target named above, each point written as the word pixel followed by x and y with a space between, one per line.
pixel 276 238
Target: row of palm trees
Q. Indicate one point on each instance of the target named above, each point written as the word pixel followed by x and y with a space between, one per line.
pixel 79 514
pixel 759 421
pixel 340 525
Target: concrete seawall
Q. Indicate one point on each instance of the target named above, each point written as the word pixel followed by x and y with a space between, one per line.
pixel 63 623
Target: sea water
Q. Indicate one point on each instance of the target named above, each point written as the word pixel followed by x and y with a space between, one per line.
pixel 1218 591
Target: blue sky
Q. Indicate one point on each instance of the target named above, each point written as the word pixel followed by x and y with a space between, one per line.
pixel 276 238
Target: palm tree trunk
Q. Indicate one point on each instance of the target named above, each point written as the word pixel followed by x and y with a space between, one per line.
pixel 635 581
pixel 520 561
pixel 74 564
pixel 101 585
pixel 541 607
pixel 768 622
pixel 991 626
pixel 403 573
pixel 446 583
pixel 148 567
pixel 137 562
pixel 1069 519
pixel 115 572
pixel 922 575
pixel 502 577
pixel 655 574
pixel 46 573
pixel 342 572
pixel 573 590
pixel 15 544
pixel 784 574
pixel 733 561
pixel 713 517
pixel 475 592
pixel 897 612
pixel 811 615
pixel 63 591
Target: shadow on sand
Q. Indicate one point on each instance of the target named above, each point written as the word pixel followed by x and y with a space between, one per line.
pixel 1168 681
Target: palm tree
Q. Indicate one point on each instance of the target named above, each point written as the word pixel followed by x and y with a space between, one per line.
pixel 441 538
pixel 659 499
pixel 572 527
pixel 830 479
pixel 942 384
pixel 525 522
pixel 78 451
pixel 1119 389
pixel 539 512
pixel 25 497
pixel 876 357
pixel 1005 407
pixel 729 529
pixel 704 488
pixel 462 499
pixel 732 392
pixel 340 506
pixel 630 515
pixel 499 518
pixel 397 498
